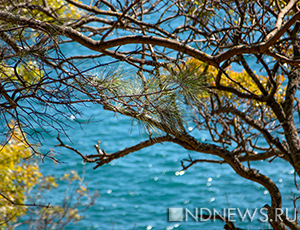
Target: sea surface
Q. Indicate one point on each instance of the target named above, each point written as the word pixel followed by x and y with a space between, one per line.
pixel 137 190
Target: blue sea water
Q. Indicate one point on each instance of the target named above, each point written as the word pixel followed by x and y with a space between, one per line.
pixel 137 190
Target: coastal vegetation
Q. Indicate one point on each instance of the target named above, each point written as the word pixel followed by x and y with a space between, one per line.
pixel 227 67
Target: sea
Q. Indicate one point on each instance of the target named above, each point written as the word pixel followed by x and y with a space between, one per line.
pixel 144 189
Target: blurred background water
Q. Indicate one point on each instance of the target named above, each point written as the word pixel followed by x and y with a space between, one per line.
pixel 137 190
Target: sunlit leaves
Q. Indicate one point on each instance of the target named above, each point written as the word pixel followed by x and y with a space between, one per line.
pixel 202 9
pixel 18 175
pixel 240 81
pixel 22 185
pixel 56 11
pixel 24 74
pixel 64 9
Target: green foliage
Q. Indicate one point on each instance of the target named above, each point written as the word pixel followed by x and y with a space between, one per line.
pixel 18 174
pixel 76 200
pixel 152 98
pixel 239 81
pixel 27 43
pixel 54 11
pixel 25 73
pixel 198 8
pixel 23 184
